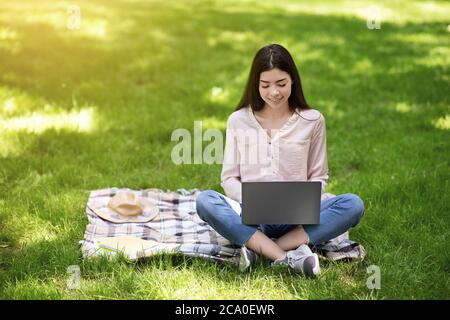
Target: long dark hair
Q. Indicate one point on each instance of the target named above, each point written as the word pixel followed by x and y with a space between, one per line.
pixel 267 58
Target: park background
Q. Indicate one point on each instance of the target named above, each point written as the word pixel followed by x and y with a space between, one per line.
pixel 93 105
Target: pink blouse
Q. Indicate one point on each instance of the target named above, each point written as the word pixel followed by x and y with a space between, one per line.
pixel 296 152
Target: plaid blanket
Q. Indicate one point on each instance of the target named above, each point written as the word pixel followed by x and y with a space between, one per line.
pixel 177 229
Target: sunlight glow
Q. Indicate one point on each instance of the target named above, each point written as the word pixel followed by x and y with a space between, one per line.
pixel 39 229
pixel 9 105
pixel 331 108
pixel 94 28
pixel 38 122
pixel 402 107
pixel 392 12
pixel 363 66
pixel 233 38
pixel 213 123
pixel 7 34
pixel 218 94
pixel 8 40
pixel 442 123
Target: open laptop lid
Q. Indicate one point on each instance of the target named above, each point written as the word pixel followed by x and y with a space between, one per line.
pixel 281 202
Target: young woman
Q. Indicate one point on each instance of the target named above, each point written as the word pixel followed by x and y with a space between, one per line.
pixel 273 102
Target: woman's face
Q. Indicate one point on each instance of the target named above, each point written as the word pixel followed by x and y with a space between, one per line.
pixel 275 88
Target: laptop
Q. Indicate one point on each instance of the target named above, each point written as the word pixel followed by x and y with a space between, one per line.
pixel 281 202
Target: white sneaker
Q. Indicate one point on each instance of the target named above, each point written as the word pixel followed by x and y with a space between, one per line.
pixel 301 260
pixel 247 258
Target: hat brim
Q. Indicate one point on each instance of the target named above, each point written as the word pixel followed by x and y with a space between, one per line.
pixel 150 212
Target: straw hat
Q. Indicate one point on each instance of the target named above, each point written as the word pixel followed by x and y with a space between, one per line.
pixel 126 207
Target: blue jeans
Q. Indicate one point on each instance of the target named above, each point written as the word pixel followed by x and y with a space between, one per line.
pixel 337 215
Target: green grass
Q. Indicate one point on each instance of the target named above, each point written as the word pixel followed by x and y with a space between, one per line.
pixel 93 108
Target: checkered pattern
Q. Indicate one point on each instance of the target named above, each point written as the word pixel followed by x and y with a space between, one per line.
pixel 177 223
pixel 177 228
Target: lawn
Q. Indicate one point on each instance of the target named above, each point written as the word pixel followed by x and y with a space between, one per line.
pixel 94 107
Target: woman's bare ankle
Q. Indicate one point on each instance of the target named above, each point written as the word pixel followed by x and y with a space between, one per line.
pixel 265 246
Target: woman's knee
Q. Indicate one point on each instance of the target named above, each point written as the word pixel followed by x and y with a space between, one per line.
pixel 356 207
pixel 204 201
